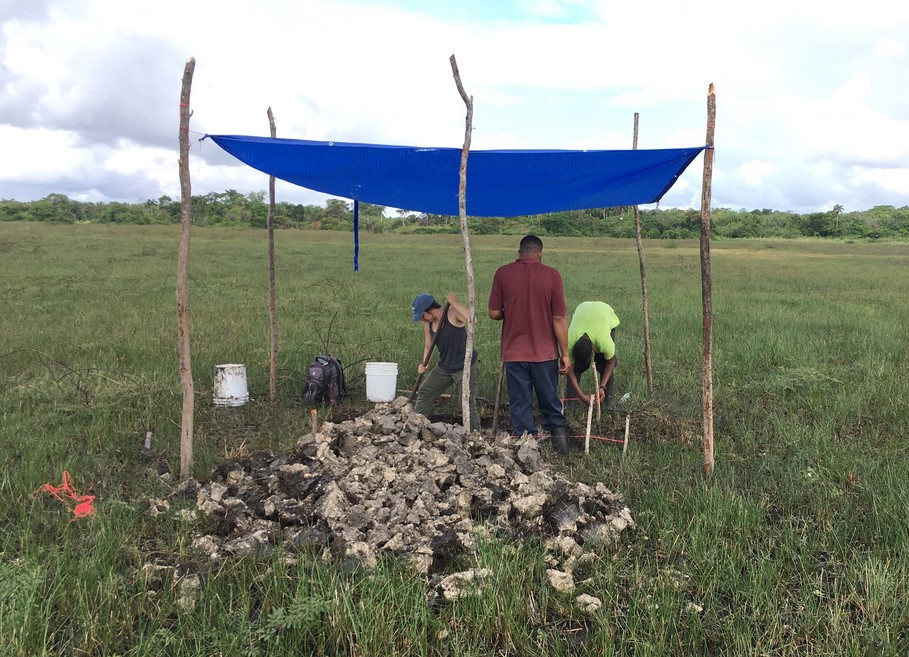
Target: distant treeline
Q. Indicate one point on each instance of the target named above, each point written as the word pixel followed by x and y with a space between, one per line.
pixel 232 208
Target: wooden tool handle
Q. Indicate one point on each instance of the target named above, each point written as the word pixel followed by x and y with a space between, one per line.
pixel 432 345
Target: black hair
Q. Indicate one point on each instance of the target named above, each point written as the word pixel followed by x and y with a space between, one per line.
pixel 531 243
pixel 582 354
pixel 434 304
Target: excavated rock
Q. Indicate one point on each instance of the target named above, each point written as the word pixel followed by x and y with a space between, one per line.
pixel 391 482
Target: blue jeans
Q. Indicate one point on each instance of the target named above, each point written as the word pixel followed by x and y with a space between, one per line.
pixel 542 378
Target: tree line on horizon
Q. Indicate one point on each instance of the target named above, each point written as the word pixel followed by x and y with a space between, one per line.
pixel 231 208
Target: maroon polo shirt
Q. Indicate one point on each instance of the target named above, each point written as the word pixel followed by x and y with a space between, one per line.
pixel 530 294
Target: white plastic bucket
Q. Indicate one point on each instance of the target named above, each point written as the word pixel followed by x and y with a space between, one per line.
pixel 230 385
pixel 381 381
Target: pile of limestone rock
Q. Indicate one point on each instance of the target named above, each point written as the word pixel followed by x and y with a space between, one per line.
pixel 391 482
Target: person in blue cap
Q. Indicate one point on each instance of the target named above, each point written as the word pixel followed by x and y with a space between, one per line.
pixel 451 345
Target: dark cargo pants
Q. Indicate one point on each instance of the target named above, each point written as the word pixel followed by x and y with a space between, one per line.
pixel 437 381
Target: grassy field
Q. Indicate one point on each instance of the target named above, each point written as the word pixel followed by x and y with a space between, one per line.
pixel 797 545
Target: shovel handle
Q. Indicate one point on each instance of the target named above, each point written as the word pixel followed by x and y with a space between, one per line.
pixel 495 412
pixel 432 345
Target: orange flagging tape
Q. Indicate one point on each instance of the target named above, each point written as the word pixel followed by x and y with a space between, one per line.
pixel 80 505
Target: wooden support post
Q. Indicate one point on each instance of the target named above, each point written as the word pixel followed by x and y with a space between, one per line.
pixel 495 411
pixel 706 288
pixel 186 220
pixel 596 390
pixel 468 258
pixel 272 312
pixel 640 244
pixel 587 433
pixel 314 419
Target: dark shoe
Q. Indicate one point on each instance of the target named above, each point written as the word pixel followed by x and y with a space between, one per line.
pixel 560 440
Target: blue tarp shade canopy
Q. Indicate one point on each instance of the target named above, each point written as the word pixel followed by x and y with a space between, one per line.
pixel 502 183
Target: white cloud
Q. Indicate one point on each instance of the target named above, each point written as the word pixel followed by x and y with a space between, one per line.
pixel 895 180
pixel 888 48
pixel 41 155
pixel 810 95
pixel 756 171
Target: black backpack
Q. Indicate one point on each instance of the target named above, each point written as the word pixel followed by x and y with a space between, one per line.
pixel 325 381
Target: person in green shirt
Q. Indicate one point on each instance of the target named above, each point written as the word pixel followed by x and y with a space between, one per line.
pixel 591 336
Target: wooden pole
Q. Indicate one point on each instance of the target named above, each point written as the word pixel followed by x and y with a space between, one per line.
pixel 495 411
pixel 706 288
pixel 589 418
pixel 465 234
pixel 637 238
pixel 186 220
pixel 627 429
pixel 272 312
pixel 596 390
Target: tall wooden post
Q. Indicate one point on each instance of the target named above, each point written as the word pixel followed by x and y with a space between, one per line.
pixel 637 236
pixel 272 313
pixel 706 288
pixel 468 258
pixel 186 220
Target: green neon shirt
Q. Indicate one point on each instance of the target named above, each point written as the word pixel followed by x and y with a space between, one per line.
pixel 596 319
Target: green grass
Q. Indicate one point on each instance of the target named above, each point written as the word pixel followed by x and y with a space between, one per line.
pixel 795 546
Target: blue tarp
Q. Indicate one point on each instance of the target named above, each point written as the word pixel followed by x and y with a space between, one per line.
pixel 501 183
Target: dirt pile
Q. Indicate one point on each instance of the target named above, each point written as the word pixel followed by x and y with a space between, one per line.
pixel 392 482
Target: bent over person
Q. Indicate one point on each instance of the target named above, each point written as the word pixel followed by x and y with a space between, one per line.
pixel 529 299
pixel 451 345
pixel 591 336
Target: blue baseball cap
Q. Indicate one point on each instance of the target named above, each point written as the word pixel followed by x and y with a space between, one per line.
pixel 420 305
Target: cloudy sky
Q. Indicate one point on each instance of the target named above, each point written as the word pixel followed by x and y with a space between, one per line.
pixel 812 108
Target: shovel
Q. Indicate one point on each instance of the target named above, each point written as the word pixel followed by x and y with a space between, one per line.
pixel 432 345
pixel 495 412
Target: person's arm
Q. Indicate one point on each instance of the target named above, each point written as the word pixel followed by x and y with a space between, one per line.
pixel 607 374
pixel 427 343
pixel 560 321
pixel 573 380
pixel 560 328
pixel 495 309
pixel 461 313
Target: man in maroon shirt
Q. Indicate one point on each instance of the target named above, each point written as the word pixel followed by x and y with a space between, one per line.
pixel 529 299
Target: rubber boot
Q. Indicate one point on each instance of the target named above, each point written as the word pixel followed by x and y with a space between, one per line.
pixel 560 440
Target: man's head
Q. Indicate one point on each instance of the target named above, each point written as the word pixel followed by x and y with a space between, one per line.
pixel 582 354
pixel 531 244
pixel 421 304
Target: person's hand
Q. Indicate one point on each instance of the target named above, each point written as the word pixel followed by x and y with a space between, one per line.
pixel 601 395
pixel 451 298
pixel 565 366
pixel 585 400
pixel 421 368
